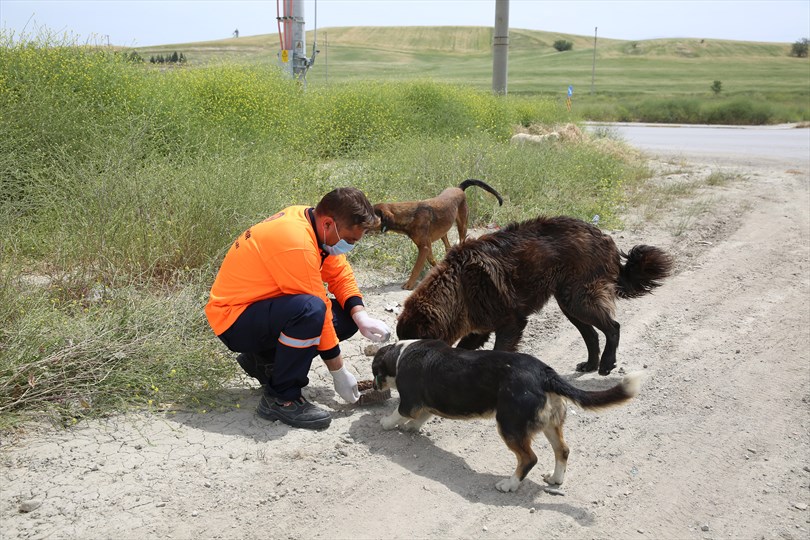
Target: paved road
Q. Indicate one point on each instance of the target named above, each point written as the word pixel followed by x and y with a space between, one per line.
pixel 747 145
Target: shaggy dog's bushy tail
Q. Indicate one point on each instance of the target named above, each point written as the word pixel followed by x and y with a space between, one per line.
pixel 644 267
pixel 627 389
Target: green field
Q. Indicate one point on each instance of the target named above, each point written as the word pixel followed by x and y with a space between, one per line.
pixel 626 72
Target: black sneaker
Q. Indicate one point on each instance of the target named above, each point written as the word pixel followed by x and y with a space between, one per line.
pixel 255 367
pixel 299 413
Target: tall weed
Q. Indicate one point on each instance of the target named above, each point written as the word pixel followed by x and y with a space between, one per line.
pixel 70 356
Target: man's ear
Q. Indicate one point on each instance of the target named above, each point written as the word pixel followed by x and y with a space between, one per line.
pixel 330 223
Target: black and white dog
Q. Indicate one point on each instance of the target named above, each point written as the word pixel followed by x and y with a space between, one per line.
pixel 525 395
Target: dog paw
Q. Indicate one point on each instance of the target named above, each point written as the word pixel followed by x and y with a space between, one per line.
pixel 605 370
pixel 388 423
pixel 507 484
pixel 412 426
pixel 585 367
pixel 550 479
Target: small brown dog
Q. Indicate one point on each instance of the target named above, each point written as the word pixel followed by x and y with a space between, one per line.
pixel 426 221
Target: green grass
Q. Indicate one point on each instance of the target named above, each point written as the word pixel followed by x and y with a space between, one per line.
pixel 762 75
pixel 76 352
pixel 721 178
pixel 121 186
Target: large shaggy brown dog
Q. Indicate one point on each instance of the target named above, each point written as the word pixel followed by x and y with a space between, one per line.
pixel 494 282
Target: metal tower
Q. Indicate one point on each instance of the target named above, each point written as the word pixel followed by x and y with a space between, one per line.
pixel 292 36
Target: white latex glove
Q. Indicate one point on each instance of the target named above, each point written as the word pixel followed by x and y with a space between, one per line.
pixel 371 328
pixel 345 384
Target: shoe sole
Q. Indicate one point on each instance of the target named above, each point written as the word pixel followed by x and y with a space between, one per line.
pixel 312 424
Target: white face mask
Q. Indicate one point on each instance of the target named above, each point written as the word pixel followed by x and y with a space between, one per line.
pixel 342 247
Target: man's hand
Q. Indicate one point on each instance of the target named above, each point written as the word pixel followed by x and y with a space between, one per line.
pixel 373 329
pixel 345 384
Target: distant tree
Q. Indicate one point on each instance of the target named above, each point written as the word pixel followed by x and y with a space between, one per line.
pixel 133 57
pixel 152 59
pixel 717 87
pixel 174 58
pixel 563 45
pixel 182 58
pixel 799 48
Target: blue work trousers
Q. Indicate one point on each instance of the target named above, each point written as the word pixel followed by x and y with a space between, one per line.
pixel 285 332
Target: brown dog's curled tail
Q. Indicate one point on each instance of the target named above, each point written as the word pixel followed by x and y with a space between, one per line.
pixel 616 395
pixel 644 267
pixel 483 185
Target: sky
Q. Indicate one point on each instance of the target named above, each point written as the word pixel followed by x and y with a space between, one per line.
pixel 140 23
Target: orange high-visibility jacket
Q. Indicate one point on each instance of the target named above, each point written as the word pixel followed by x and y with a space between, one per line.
pixel 277 257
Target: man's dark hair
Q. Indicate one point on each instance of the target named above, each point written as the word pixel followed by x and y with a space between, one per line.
pixel 348 206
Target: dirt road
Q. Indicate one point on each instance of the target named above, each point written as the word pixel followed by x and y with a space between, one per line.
pixel 716 445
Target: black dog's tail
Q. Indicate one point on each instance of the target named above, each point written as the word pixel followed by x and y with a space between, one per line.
pixel 644 267
pixel 483 185
pixel 595 399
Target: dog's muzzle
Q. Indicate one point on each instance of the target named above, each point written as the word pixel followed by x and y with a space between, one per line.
pixel 378 382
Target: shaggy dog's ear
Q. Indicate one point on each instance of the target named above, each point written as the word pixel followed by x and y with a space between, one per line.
pixel 492 271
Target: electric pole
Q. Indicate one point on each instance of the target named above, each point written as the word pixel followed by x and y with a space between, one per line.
pixel 293 55
pixel 500 47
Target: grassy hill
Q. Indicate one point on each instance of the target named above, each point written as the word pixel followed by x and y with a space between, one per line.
pixel 660 67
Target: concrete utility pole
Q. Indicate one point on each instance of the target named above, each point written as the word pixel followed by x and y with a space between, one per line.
pixel 500 47
pixel 293 55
